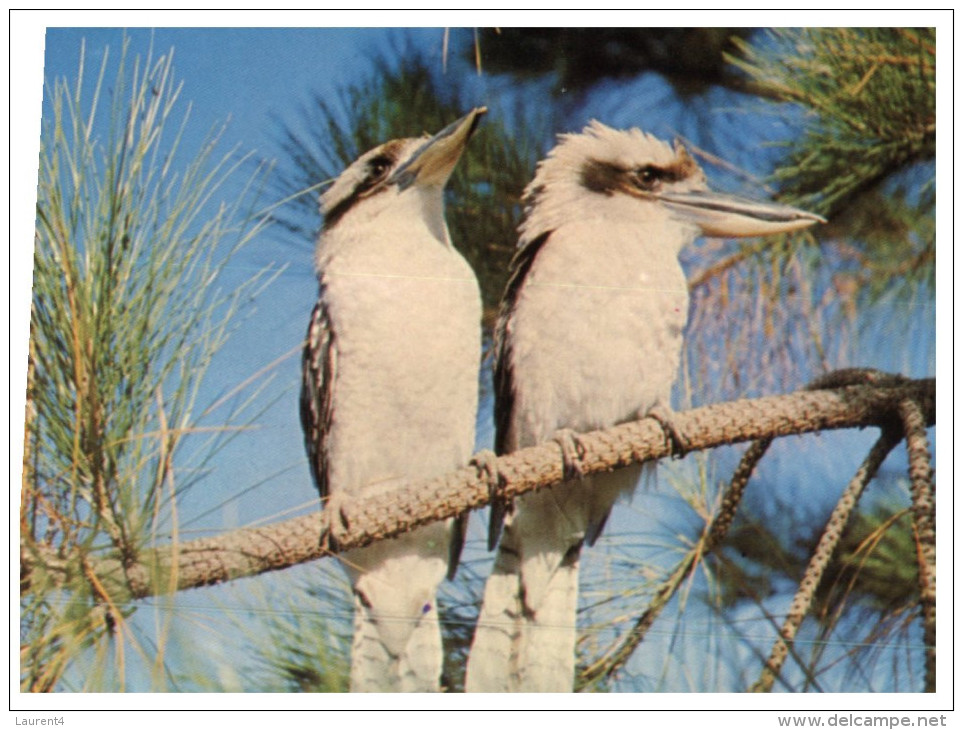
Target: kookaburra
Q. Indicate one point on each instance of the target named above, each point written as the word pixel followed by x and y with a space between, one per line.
pixel 589 335
pixel 390 384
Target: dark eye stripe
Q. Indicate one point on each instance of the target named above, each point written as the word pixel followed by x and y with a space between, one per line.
pixel 602 177
pixel 608 178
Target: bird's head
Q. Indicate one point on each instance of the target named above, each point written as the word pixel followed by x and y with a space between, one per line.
pixel 400 167
pixel 631 175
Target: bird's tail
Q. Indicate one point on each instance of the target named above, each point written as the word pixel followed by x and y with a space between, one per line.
pixel 493 654
pixel 526 632
pixel 397 637
pixel 375 667
pixel 517 649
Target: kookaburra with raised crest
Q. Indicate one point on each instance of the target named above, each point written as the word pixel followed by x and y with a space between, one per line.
pixel 589 336
pixel 390 387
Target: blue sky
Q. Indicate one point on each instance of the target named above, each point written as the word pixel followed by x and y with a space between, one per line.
pixel 242 76
pixel 246 77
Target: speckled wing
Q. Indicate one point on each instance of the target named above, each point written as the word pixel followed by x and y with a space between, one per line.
pixel 318 374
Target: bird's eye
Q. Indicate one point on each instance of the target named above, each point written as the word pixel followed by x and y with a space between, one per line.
pixel 378 167
pixel 376 170
pixel 647 177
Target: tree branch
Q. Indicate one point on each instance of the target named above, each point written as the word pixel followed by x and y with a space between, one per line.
pixel 924 525
pixel 251 551
pixel 828 541
pixel 610 661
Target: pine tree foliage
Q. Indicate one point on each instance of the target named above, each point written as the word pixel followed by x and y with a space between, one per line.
pixel 860 108
pixel 865 156
pixel 127 314
pixel 871 95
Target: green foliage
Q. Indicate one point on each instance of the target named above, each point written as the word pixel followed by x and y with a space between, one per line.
pixel 126 317
pixel 303 637
pixel 870 568
pixel 865 156
pixel 866 603
pixel 871 96
pixel 859 105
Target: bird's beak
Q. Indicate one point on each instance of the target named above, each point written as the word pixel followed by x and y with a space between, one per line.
pixel 728 216
pixel 433 162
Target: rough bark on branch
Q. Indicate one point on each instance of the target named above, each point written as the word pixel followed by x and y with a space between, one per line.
pixel 251 551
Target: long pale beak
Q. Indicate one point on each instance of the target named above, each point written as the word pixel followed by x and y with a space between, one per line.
pixel 433 162
pixel 728 216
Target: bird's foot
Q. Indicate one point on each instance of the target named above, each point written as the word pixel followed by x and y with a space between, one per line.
pixel 573 453
pixel 486 462
pixel 678 442
pixel 335 522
